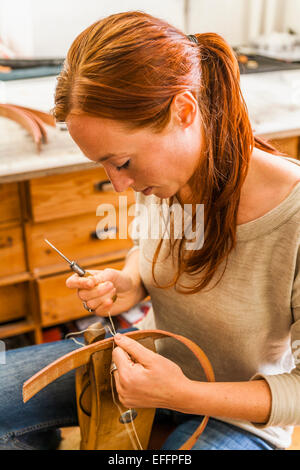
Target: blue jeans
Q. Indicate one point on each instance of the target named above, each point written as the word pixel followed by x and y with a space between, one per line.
pixel 35 424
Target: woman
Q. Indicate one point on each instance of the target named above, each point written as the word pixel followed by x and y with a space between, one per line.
pixel 164 115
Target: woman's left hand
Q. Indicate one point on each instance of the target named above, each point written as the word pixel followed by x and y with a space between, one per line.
pixel 145 379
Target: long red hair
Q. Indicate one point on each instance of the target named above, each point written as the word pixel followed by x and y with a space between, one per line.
pixel 128 67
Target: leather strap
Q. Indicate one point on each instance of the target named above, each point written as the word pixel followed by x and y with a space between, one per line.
pixel 34 118
pixel 31 120
pixel 24 120
pixel 45 117
pixel 81 356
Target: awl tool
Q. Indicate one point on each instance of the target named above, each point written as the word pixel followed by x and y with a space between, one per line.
pixel 75 266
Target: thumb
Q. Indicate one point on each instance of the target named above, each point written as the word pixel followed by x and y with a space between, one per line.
pixel 138 352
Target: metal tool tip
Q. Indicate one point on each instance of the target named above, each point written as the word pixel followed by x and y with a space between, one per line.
pixel 58 251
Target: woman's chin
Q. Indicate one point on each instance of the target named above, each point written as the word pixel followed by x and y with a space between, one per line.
pixel 164 194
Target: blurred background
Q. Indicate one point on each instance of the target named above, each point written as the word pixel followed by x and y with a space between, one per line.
pixel 35 29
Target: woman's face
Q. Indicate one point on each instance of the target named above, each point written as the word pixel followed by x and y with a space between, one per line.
pixel 140 159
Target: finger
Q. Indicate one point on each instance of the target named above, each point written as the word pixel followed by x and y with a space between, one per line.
pixel 125 365
pixel 121 358
pixel 121 396
pixel 115 375
pixel 97 277
pixel 103 289
pixel 138 352
pixel 104 302
pixel 77 282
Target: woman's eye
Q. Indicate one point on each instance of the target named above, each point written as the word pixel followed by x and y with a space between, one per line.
pixel 126 165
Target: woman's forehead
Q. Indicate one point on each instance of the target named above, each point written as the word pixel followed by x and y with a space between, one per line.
pixel 85 123
pixel 99 130
pixel 98 137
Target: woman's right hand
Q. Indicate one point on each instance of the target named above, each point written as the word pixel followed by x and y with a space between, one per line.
pixel 98 290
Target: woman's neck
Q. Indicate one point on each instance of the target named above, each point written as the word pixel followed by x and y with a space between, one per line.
pixel 269 181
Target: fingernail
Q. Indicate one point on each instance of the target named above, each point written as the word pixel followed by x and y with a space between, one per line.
pixel 118 337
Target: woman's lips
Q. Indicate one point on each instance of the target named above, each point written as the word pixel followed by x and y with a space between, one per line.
pixel 147 191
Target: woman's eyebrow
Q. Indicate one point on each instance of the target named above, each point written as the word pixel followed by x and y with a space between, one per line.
pixel 110 155
pixel 106 157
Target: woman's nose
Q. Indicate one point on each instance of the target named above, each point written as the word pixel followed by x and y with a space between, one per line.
pixel 120 181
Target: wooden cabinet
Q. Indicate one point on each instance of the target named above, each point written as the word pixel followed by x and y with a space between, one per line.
pixel 289 145
pixel 60 196
pixel 14 301
pixel 12 250
pixel 10 202
pixel 77 237
pixel 63 208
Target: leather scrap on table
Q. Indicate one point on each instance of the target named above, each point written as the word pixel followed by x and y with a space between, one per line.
pixel 30 119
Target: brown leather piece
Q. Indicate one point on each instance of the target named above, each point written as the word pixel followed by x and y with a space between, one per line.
pixel 95 332
pixel 39 122
pixel 30 119
pixel 81 357
pixel 45 117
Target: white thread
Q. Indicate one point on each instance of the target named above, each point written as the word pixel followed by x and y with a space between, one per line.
pixel 120 411
pixel 83 331
pixel 134 430
pixel 77 342
pixel 112 324
pixel 109 329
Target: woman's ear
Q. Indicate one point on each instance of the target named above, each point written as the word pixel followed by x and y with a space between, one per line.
pixel 184 108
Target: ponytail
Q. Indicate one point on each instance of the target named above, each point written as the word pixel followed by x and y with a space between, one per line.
pixel 227 145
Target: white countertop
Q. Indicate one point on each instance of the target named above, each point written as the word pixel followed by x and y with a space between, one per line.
pixel 273 101
pixel 19 159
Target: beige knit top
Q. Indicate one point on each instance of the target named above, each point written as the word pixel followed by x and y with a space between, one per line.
pixel 249 324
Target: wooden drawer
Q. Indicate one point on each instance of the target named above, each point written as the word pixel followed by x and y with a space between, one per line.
pixel 14 302
pixel 10 203
pixel 288 145
pixel 75 237
pixel 12 257
pixel 60 304
pixel 59 196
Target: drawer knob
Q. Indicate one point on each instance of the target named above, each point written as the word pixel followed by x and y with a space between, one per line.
pixel 103 186
pixel 6 243
pixel 103 234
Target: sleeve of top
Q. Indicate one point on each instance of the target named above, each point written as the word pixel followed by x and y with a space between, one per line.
pixel 285 388
pixel 133 231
